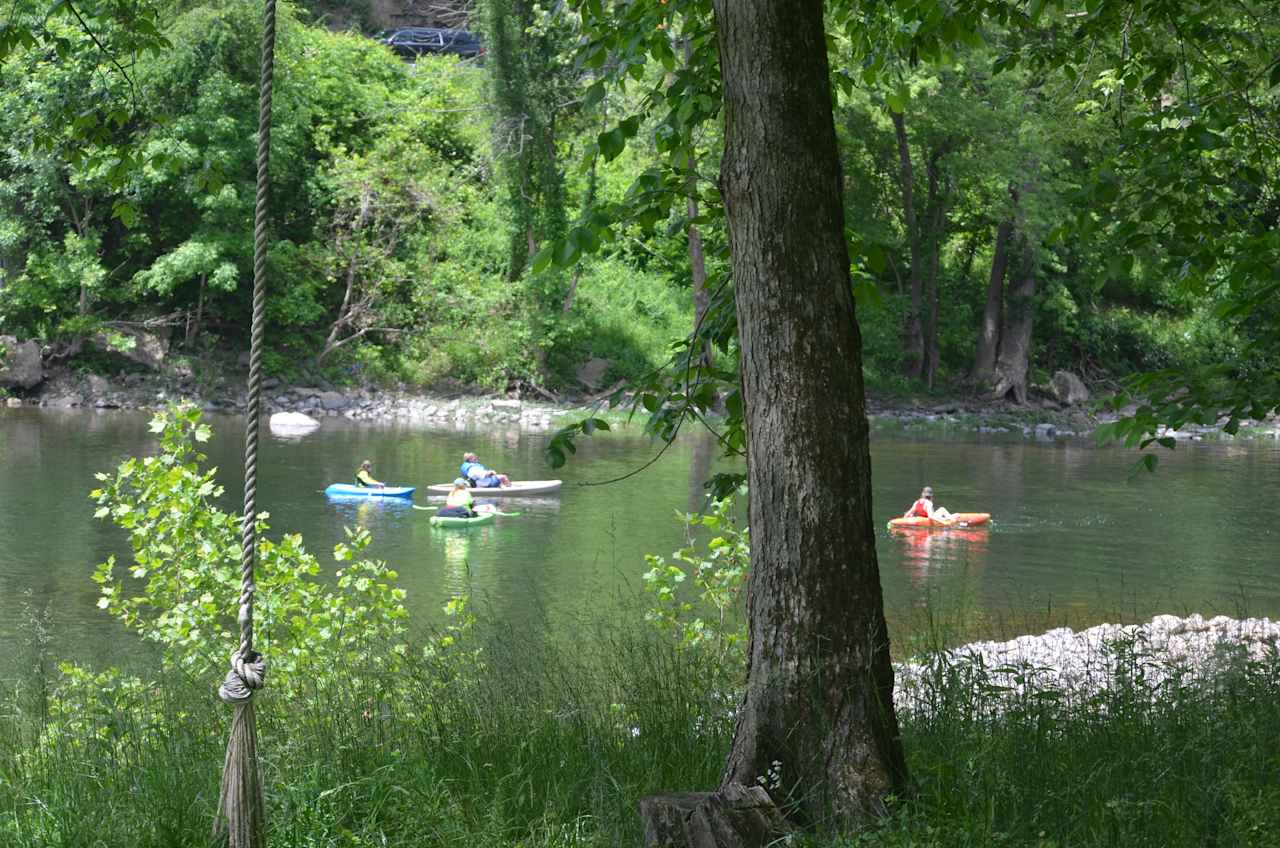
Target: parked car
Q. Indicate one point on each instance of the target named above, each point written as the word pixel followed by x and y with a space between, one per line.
pixel 414 41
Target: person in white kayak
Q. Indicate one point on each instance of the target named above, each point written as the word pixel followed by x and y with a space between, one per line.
pixel 480 477
pixel 924 508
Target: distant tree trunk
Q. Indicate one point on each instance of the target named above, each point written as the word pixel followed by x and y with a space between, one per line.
pixel 984 362
pixel 587 203
pixel 818 705
pixel 913 330
pixel 698 267
pixel 697 258
pixel 524 136
pixel 1014 358
pixel 193 328
pixel 936 216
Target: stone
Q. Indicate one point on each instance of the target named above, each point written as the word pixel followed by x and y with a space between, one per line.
pixel 507 404
pixel 334 401
pixel 98 385
pixel 13 402
pixel 306 391
pixel 591 372
pixel 243 359
pixel 1069 389
pixel 292 423
pixel 1045 430
pixel 270 383
pixel 139 346
pixel 21 366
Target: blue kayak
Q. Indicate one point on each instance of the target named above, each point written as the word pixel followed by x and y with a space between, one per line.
pixel 349 490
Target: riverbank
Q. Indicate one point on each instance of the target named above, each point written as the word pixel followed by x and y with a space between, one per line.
pixel 544 744
pixel 222 390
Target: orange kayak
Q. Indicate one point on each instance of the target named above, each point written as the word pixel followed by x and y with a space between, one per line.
pixel 959 519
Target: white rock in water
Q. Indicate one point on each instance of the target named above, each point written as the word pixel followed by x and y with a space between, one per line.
pixel 292 423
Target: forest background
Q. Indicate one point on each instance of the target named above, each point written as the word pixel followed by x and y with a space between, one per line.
pixel 456 224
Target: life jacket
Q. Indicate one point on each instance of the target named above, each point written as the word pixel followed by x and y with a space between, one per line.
pixel 361 480
pixel 457 498
pixel 464 471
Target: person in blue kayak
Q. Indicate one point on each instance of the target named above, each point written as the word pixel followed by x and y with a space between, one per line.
pixel 480 477
pixel 924 508
pixel 459 504
pixel 364 477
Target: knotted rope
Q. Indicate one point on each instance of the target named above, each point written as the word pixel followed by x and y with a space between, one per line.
pixel 240 807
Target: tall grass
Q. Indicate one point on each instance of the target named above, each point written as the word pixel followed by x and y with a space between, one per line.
pixel 540 743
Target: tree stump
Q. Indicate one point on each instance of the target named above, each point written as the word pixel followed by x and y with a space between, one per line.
pixel 736 816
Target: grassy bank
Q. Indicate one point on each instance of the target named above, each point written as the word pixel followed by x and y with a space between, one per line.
pixel 517 742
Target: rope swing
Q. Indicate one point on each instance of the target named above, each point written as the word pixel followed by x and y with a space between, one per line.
pixel 240 808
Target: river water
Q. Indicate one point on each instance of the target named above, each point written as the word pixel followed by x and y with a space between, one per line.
pixel 1077 537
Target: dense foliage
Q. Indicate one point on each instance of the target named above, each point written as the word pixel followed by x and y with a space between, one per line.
pixel 389 257
pixel 1091 189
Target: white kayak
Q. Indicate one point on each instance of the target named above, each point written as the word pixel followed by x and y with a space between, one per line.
pixel 521 487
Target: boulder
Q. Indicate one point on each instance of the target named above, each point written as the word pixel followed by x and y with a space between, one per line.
pixel 292 423
pixel 20 364
pixel 97 385
pixel 334 401
pixel 1069 389
pixel 139 346
pixel 591 372
pixel 506 404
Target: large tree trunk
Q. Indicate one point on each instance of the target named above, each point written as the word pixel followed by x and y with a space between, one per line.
pixel 984 361
pixel 912 330
pixel 818 707
pixel 1014 359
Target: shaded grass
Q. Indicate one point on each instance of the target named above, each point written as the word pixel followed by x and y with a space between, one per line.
pixel 540 743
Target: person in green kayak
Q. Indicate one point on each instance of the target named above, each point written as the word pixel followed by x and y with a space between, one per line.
pixel 459 504
pixel 924 508
pixel 364 476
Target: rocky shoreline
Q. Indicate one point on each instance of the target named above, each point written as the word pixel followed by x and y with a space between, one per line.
pixel 222 390
pixel 1081 664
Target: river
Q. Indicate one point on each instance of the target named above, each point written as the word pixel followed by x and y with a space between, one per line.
pixel 1077 537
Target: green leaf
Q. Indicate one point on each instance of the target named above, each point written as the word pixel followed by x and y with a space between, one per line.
pixel 594 94
pixel 543 257
pixel 611 143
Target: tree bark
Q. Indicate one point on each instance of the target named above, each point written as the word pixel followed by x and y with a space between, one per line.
pixel 818 706
pixel 913 330
pixel 1014 359
pixel 984 361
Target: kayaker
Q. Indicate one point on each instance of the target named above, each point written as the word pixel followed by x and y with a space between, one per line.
pixel 459 504
pixel 924 508
pixel 364 476
pixel 477 475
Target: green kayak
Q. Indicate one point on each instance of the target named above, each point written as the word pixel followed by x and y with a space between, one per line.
pixel 448 521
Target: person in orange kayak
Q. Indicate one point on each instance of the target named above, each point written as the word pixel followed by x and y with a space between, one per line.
pixel 924 508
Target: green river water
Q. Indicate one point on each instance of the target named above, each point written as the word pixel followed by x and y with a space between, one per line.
pixel 1077 538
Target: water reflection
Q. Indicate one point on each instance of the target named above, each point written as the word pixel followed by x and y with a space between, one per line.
pixel 924 552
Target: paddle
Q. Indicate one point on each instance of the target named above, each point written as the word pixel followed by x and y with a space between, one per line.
pixel 495 512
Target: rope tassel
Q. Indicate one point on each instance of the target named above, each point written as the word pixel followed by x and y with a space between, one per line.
pixel 241 812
